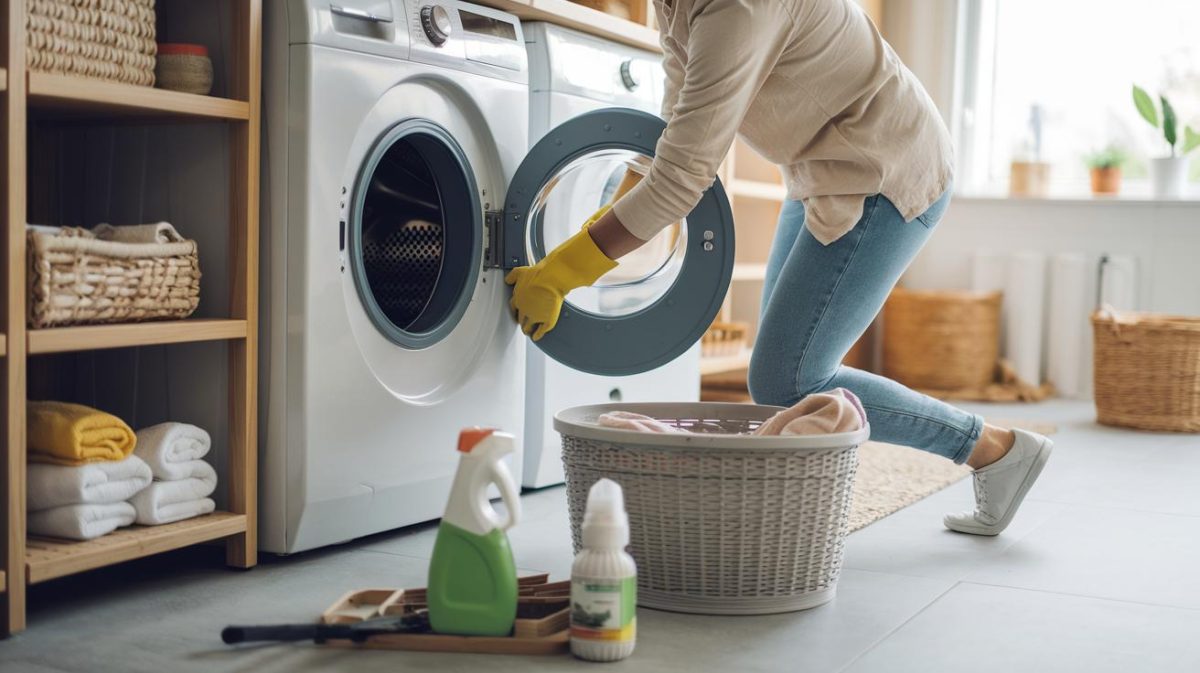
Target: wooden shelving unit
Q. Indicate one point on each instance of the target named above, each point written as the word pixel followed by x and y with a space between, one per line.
pixel 47 558
pixel 97 337
pixel 80 97
pixel 724 364
pixel 48 99
pixel 749 271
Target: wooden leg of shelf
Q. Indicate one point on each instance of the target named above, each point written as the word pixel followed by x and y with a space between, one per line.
pixel 12 467
pixel 242 550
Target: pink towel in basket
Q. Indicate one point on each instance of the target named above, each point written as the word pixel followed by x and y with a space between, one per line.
pixel 838 410
pixel 627 420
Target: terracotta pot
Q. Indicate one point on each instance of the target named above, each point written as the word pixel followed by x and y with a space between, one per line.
pixel 1106 180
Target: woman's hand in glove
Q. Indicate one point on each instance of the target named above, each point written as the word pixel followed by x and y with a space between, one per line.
pixel 538 290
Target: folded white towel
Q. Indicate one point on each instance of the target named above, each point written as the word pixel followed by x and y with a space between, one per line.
pixel 167 501
pixel 80 522
pixel 169 447
pixel 91 483
pixel 175 511
pixel 157 232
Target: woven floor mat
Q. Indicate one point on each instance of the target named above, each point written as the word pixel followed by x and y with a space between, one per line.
pixel 892 477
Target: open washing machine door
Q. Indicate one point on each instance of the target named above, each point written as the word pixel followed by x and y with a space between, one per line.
pixel 660 299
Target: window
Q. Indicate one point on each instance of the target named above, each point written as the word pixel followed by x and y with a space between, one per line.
pixel 1072 63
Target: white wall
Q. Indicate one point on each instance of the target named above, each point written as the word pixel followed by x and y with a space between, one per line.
pixel 1163 237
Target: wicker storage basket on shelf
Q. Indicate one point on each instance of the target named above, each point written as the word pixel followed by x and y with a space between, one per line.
pixel 102 39
pixel 941 340
pixel 1147 371
pixel 721 522
pixel 76 278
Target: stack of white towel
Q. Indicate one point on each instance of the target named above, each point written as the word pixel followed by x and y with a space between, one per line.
pixel 183 481
pixel 81 502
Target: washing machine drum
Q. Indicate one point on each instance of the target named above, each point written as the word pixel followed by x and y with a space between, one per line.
pixel 415 242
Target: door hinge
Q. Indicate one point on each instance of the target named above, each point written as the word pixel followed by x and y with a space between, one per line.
pixel 493 255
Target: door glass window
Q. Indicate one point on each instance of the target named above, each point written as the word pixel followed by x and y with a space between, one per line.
pixel 569 198
pixel 416 238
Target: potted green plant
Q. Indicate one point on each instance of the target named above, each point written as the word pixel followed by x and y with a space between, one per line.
pixel 1105 167
pixel 1168 173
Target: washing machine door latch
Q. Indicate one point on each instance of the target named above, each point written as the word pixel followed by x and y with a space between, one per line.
pixel 493 255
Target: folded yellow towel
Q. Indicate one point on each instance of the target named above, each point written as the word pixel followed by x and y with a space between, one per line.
pixel 61 433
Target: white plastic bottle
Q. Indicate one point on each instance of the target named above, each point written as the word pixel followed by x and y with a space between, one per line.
pixel 604 580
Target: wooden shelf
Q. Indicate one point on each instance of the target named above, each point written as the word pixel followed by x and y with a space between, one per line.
pixel 78 96
pixel 753 189
pixel 48 558
pixel 96 337
pixel 3 79
pixel 3 345
pixel 724 363
pixel 585 19
pixel 749 271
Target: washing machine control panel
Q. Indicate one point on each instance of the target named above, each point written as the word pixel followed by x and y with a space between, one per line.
pixel 464 36
pixel 435 21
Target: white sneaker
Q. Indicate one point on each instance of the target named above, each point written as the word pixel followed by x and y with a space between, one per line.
pixel 1001 486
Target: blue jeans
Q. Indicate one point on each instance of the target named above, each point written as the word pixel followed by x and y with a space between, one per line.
pixel 819 299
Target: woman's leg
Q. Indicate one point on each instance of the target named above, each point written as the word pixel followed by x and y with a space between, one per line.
pixel 818 300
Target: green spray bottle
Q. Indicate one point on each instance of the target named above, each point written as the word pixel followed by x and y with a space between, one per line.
pixel 472 577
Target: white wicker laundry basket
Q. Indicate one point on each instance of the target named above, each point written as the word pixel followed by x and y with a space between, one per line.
pixel 721 522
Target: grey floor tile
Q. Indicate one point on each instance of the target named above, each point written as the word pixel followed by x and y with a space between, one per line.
pixel 1104 467
pixel 868 606
pixel 914 542
pixel 167 615
pixel 984 629
pixel 1142 557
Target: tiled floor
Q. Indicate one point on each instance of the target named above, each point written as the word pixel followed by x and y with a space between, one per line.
pixel 1100 572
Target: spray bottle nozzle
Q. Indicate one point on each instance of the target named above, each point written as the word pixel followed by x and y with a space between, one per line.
pixel 469 437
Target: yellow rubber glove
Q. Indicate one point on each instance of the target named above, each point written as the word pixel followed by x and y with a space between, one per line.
pixel 538 290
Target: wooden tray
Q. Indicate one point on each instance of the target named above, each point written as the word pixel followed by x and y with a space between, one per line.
pixel 542 625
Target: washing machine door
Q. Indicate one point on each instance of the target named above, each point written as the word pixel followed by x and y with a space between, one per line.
pixel 660 299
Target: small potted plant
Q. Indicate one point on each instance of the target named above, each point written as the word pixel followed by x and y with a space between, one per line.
pixel 1168 173
pixel 1105 166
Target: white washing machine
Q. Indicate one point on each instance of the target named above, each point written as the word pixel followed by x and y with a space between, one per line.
pixel 571 73
pixel 399 188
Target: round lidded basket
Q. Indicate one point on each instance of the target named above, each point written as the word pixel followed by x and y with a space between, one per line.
pixel 721 522
pixel 941 339
pixel 1147 371
pixel 184 67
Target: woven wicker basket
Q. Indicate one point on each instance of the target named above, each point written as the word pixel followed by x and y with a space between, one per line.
pixel 724 338
pixel 103 39
pixel 76 278
pixel 1147 371
pixel 942 340
pixel 720 522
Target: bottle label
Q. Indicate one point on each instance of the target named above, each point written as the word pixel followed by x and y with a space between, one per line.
pixel 604 609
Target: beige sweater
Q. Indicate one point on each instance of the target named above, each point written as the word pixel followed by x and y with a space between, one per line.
pixel 812 87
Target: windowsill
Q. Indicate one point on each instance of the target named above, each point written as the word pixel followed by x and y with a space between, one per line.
pixel 1128 197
